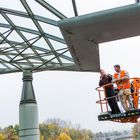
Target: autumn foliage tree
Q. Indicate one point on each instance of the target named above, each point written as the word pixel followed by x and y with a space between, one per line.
pixel 56 129
pixel 135 131
pixel 52 129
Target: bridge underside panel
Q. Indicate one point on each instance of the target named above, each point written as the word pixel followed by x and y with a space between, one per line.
pixel 99 27
pixel 85 54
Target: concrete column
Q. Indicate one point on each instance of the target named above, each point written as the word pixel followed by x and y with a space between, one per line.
pixel 28 110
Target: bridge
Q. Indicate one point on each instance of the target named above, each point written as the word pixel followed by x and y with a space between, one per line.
pixel 27 45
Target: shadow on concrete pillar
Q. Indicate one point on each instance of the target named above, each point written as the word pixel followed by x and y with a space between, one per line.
pixel 28 110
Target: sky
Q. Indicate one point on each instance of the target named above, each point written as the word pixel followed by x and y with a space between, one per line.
pixel 71 96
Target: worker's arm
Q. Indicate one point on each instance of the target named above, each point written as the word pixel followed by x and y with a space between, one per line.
pixel 116 80
pixel 121 79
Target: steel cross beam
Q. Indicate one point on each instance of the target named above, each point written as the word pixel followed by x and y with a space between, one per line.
pixel 74 7
pixel 6 36
pixel 7 41
pixel 29 11
pixel 6 31
pixel 25 15
pixel 29 45
pixel 50 60
pixel 18 32
pixel 51 9
pixel 34 32
pixel 25 40
pixel 13 43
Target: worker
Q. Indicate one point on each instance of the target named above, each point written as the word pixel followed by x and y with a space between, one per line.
pixel 135 86
pixel 121 78
pixel 109 91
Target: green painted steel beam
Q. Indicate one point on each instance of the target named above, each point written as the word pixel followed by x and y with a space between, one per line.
pixel 13 25
pixel 75 7
pixel 29 11
pixel 5 61
pixel 65 67
pixel 108 25
pixel 41 49
pixel 23 29
pixel 24 39
pixel 25 15
pixel 15 64
pixel 51 9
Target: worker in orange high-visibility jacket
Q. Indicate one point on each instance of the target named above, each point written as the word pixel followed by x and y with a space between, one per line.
pixel 135 95
pixel 121 77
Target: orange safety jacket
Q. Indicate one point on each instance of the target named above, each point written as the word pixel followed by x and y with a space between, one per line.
pixel 135 95
pixel 124 84
pixel 136 84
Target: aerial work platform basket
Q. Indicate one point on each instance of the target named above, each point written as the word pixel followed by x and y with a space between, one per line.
pixel 131 115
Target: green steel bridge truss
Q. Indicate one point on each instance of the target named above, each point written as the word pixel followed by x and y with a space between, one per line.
pixel 25 48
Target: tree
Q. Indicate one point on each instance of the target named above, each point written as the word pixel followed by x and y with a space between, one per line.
pixel 58 129
pixel 10 133
pixel 52 129
pixel 135 131
pixel 2 137
pixel 63 136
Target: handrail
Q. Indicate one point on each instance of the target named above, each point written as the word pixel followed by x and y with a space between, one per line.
pixel 136 78
pixel 106 98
